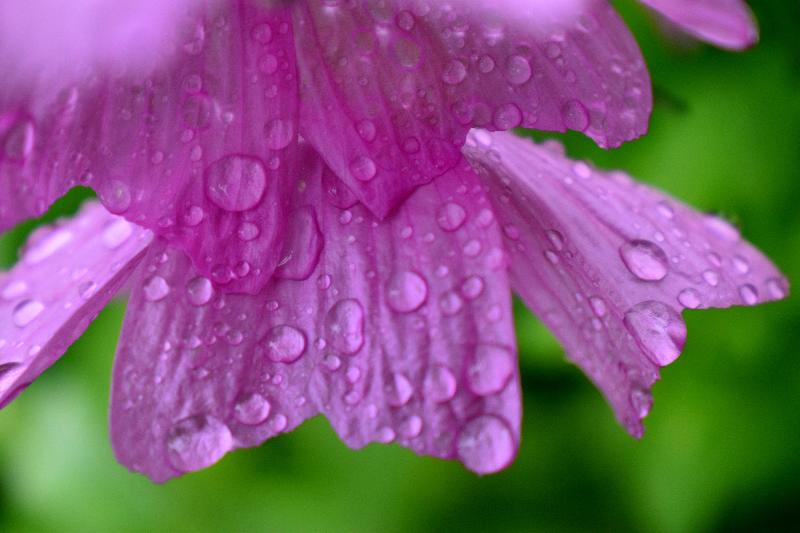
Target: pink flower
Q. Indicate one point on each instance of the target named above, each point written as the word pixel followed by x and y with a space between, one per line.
pixel 310 224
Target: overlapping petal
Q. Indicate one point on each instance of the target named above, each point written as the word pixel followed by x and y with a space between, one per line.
pixel 726 23
pixel 390 88
pixel 398 331
pixel 67 274
pixel 609 264
pixel 200 147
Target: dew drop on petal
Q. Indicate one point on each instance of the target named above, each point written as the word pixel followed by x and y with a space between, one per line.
pixel 406 291
pixel 518 70
pixel 400 390
pixel 440 384
pixel 490 369
pixel 485 444
pixel 155 288
pixel 690 298
pixel 236 182
pixel 252 409
pixel 344 326
pixel 451 216
pixel 658 329
pixel 749 294
pixel 363 168
pixel 26 312
pixel 645 260
pixel 285 344
pixel 197 442
pixel 199 291
pixel 279 133
pixel 116 233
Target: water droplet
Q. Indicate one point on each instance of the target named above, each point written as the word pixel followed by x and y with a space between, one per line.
pixel 302 246
pixel 575 116
pixel 14 290
pixel 26 311
pixel 197 442
pixel 363 168
pixel 451 216
pixel 344 326
pixel 777 288
pixel 749 294
pixel 658 329
pixel 440 384
pixel 454 72
pixel 451 303
pixel 406 291
pixel 598 306
pixel 285 344
pixel 43 249
pixel 248 231
pixel 155 288
pixel 472 287
pixel 19 141
pixel 252 409
pixel 690 298
pixel 411 427
pixel 116 196
pixel 279 133
pixel 741 264
pixel 262 33
pixel 645 260
pixel 236 182
pixel 486 445
pixel 400 390
pixel 87 289
pixel 711 277
pixel 200 291
pixel 641 401
pixel 490 369
pixel 518 70
pixel 507 116
pixel 366 130
pixel 116 233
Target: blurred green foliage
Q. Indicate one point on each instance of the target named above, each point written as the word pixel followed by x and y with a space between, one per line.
pixel 721 448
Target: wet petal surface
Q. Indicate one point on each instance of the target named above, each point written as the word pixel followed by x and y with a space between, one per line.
pixel 67 274
pixel 609 264
pixel 398 331
pixel 199 147
pixel 390 89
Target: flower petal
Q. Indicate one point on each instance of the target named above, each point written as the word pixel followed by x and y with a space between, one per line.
pixel 609 264
pixel 401 333
pixel 67 274
pixel 200 150
pixel 725 23
pixel 390 89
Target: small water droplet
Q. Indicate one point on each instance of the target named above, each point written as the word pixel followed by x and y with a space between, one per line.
pixel 26 312
pixel 451 216
pixel 406 291
pixel 155 288
pixel 518 70
pixel 197 442
pixel 116 232
pixel 285 344
pixel 490 369
pixel 749 294
pixel 485 444
pixel 363 168
pixel 658 329
pixel 690 298
pixel 400 390
pixel 252 409
pixel 645 260
pixel 199 291
pixel 454 72
pixel 344 326
pixel 440 384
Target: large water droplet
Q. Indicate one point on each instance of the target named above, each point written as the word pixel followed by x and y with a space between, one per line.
pixel 252 409
pixel 518 70
pixel 400 390
pixel 26 312
pixel 199 291
pixel 490 369
pixel 363 168
pixel 344 326
pixel 486 445
pixel 575 115
pixel 454 72
pixel 646 260
pixel 690 298
pixel 236 182
pixel 285 344
pixel 406 291
pixel 301 247
pixel 197 442
pixel 658 329
pixel 46 247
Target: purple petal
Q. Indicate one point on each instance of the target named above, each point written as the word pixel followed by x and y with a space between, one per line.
pixel 201 148
pixel 725 23
pixel 609 264
pixel 401 331
pixel 390 90
pixel 67 274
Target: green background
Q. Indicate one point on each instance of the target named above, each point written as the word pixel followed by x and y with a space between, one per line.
pixel 721 448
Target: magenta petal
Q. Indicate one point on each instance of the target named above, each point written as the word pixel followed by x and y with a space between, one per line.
pixel 390 89
pixel 200 149
pixel 609 264
pixel 725 23
pixel 402 333
pixel 67 274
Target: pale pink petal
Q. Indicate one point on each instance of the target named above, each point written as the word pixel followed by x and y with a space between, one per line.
pixel 390 88
pixel 609 264
pixel 725 23
pixel 200 149
pixel 67 274
pixel 401 332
